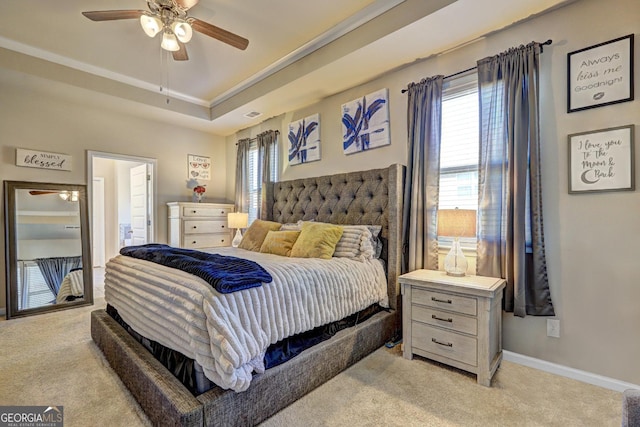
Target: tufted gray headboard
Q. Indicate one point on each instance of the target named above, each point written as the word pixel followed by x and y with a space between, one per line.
pixel 365 197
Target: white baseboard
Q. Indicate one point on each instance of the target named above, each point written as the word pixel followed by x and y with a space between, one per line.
pixel 565 371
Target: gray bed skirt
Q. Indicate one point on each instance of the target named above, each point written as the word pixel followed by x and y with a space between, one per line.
pixel 167 402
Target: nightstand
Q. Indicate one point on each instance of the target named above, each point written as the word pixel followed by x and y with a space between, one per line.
pixel 453 320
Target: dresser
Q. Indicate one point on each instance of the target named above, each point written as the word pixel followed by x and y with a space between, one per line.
pixel 453 320
pixel 199 225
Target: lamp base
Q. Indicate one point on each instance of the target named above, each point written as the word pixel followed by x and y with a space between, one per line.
pixel 455 263
pixel 237 238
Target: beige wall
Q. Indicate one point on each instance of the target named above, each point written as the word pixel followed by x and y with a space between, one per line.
pixel 590 238
pixel 47 116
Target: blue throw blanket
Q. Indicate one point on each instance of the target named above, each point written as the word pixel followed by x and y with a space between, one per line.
pixel 225 273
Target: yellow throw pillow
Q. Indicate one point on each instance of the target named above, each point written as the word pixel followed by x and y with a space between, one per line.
pixel 255 234
pixel 279 242
pixel 316 240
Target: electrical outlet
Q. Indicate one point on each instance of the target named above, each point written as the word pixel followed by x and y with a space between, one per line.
pixel 553 328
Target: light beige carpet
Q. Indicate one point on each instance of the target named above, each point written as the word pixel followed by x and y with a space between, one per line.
pixel 50 359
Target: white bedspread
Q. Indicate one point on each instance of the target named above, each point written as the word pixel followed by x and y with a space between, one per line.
pixel 228 334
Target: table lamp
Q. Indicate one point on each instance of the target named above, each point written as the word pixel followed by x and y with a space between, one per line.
pixel 237 220
pixel 456 223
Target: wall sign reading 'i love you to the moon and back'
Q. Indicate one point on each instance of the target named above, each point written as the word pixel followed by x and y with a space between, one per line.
pixel 600 75
pixel 602 160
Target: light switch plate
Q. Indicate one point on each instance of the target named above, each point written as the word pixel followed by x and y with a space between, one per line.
pixel 553 328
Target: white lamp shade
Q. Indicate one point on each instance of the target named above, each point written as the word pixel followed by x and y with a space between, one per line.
pixel 237 220
pixel 182 30
pixel 169 41
pixel 151 25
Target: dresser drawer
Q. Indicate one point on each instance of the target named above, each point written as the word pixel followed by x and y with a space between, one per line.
pixel 454 321
pixel 448 344
pixel 199 227
pixel 206 241
pixel 444 301
pixel 193 211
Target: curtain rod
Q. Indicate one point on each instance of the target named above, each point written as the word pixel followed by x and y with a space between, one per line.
pixel 256 138
pixel 548 42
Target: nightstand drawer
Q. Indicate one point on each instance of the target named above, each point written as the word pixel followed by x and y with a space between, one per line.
pixel 204 241
pixel 444 343
pixel 191 211
pixel 198 227
pixel 454 321
pixel 444 301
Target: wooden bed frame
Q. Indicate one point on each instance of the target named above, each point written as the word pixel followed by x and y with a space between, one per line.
pixel 367 197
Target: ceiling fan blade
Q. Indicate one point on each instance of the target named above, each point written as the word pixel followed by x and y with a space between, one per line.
pixel 187 4
pixel 218 33
pixel 112 15
pixel 180 55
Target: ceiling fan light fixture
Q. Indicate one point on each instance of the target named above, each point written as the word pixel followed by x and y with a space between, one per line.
pixel 169 41
pixel 182 30
pixel 150 24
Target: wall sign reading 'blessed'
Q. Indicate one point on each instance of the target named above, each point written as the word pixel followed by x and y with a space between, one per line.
pixel 43 160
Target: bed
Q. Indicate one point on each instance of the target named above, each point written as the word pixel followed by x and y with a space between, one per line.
pixel 370 198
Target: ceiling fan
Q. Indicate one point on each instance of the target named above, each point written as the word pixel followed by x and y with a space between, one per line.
pixel 170 18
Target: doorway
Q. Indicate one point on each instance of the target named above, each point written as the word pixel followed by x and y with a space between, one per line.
pixel 121 200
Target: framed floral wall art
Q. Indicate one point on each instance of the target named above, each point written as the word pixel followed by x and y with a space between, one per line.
pixel 365 122
pixel 304 140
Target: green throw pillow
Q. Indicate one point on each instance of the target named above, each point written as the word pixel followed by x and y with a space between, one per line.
pixel 279 242
pixel 316 240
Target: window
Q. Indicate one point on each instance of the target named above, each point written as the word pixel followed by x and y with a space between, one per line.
pixel 254 178
pixel 459 149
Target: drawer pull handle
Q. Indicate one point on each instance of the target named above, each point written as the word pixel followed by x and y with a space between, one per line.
pixel 222 212
pixel 194 242
pixel 223 226
pixel 450 320
pixel 194 211
pixel 446 344
pixel 195 226
pixel 446 301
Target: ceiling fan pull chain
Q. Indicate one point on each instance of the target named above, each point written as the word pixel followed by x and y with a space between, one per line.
pixel 164 73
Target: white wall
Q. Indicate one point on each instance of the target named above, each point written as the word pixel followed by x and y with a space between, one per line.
pixel 48 116
pixel 592 254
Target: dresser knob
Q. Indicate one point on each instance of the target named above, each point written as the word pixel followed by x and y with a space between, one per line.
pixel 223 226
pixel 195 226
pixel 194 211
pixel 194 242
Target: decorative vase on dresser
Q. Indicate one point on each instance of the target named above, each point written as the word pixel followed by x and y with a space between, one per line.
pixel 199 225
pixel 453 320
